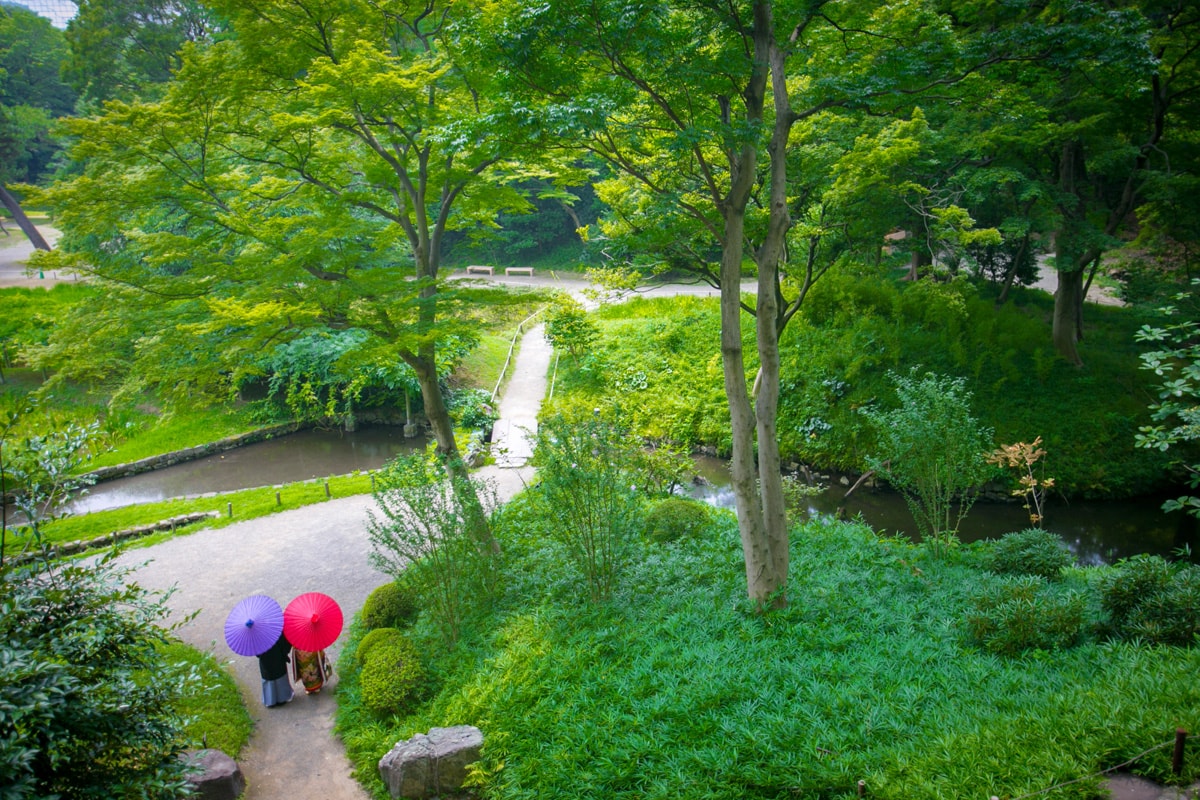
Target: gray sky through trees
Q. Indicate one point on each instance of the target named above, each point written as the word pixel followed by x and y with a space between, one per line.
pixel 57 11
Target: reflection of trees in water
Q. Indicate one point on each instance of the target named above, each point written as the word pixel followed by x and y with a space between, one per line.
pixel 1097 532
pixel 299 456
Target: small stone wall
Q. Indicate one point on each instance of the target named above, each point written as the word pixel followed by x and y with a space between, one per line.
pixel 170 524
pixel 190 453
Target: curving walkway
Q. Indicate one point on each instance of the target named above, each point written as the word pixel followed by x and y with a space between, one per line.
pixel 324 547
pixel 293 752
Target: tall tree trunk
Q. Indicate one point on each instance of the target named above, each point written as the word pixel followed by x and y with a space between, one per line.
pixel 14 208
pixel 1068 301
pixel 769 321
pixel 424 364
pixel 760 573
pixel 1068 298
pixel 763 579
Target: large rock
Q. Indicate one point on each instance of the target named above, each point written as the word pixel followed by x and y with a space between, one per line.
pixel 431 764
pixel 218 776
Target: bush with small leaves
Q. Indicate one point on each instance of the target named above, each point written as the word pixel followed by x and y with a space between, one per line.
pixel 676 518
pixel 1151 599
pixel 373 638
pixel 87 706
pixel 392 677
pixel 389 606
pixel 1012 615
pixel 1030 552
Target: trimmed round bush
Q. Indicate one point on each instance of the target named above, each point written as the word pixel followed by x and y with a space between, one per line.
pixel 1170 615
pixel 373 638
pixel 389 606
pixel 1151 599
pixel 1012 615
pixel 676 518
pixel 392 677
pixel 1030 552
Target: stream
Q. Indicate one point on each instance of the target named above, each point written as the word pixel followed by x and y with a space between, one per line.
pixel 1096 531
pixel 300 456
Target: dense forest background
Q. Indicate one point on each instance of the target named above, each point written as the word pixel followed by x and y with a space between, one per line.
pixel 268 199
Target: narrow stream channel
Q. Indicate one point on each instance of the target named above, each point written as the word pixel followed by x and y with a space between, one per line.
pixel 300 456
pixel 1096 531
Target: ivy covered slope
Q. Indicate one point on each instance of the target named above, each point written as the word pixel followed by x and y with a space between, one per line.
pixel 675 689
pixel 658 363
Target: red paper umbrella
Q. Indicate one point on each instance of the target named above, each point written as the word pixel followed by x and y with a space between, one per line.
pixel 312 621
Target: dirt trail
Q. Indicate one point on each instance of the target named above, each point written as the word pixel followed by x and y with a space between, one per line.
pixel 15 251
pixel 293 752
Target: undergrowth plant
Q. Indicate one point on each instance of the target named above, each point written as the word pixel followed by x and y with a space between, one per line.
pixel 1149 599
pixel 931 449
pixel 422 530
pixel 1032 552
pixel 588 488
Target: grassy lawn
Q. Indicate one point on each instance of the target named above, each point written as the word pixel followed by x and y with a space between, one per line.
pixel 211 703
pixel 675 689
pixel 158 435
pixel 246 504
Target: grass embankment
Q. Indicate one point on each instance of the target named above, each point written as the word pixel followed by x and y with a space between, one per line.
pixel 246 504
pixel 178 432
pixel 211 703
pixel 657 362
pixel 676 690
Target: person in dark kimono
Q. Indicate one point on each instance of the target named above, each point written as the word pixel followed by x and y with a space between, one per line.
pixel 273 667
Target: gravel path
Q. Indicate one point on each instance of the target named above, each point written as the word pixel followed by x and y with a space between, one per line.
pixel 15 251
pixel 324 547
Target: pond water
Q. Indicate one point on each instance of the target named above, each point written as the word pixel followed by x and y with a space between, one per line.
pixel 1096 531
pixel 295 457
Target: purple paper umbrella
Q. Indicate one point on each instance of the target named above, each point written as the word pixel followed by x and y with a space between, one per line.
pixel 254 625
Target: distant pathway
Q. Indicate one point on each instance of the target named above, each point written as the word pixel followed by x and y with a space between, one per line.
pixel 15 251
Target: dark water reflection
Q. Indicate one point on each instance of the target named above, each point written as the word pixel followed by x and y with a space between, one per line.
pixel 1096 531
pixel 296 457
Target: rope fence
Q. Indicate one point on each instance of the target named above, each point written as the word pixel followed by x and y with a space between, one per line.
pixel 511 347
pixel 1179 742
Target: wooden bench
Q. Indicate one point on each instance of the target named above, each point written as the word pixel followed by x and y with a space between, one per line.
pixel 518 271
pixel 480 269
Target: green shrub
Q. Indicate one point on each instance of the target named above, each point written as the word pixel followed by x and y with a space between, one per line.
pixel 676 518
pixel 1170 615
pixel 389 606
pixel 88 706
pixel 1151 599
pixel 473 409
pixel 1030 552
pixel 392 677
pixel 429 530
pixel 1012 615
pixel 588 473
pixel 373 638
